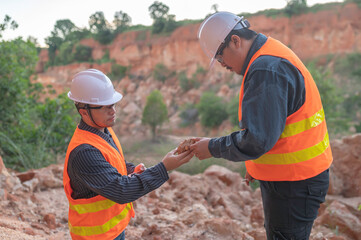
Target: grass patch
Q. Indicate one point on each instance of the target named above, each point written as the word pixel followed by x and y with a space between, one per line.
pixel 151 153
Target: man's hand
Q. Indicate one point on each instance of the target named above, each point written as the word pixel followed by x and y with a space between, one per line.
pixel 248 178
pixel 138 169
pixel 200 148
pixel 172 161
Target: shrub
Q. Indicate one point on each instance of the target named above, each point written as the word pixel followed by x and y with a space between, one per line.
pixel 211 110
pixel 232 110
pixel 161 72
pixel 118 71
pixel 331 96
pixel 40 130
pixel 186 83
pixel 65 55
pixel 82 53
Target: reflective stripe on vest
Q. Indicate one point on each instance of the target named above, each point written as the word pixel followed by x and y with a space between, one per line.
pixel 96 217
pixel 96 230
pixel 303 149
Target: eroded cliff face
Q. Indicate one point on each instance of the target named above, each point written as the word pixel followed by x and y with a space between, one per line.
pixel 310 35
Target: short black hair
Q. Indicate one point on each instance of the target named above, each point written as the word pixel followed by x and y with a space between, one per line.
pixel 245 33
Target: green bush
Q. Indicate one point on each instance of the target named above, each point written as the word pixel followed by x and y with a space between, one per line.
pixel 158 26
pixel 118 71
pixel 187 83
pixel 211 110
pixel 161 72
pixel 337 120
pixel 232 110
pixel 193 82
pixel 65 55
pixel 32 132
pixel 83 53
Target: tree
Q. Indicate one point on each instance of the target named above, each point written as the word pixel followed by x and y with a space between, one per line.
pixel 214 7
pixel 155 112
pixel 211 109
pixel 31 132
pixel 5 24
pixel 158 10
pixel 170 24
pixel 62 30
pixel 97 22
pixel 121 21
pixel 162 21
pixel 100 28
pixel 295 7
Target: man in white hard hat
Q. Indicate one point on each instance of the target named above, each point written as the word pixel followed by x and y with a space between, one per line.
pixel 283 138
pixel 100 185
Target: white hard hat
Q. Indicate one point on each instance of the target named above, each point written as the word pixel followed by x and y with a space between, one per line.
pixel 215 29
pixel 93 87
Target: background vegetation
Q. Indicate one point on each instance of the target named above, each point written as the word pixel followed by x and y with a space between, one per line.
pixel 34 131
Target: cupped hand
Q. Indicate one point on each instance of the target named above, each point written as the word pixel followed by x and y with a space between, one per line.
pixel 172 161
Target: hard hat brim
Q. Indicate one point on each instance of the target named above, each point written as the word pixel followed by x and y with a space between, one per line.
pixel 211 63
pixel 116 98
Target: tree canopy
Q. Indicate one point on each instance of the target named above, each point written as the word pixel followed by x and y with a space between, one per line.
pixel 155 112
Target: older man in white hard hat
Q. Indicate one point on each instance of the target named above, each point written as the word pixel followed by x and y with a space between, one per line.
pixel 99 184
pixel 283 138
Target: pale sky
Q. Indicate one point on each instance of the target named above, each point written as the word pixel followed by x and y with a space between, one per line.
pixel 37 18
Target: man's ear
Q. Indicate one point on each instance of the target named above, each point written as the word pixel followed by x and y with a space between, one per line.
pixel 83 112
pixel 236 40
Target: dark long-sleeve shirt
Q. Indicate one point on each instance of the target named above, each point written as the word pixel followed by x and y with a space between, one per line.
pixel 273 90
pixel 91 175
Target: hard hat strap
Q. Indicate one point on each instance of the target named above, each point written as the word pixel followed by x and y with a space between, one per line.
pixel 88 108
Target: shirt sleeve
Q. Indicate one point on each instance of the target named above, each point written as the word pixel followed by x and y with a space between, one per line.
pixel 270 95
pixel 99 176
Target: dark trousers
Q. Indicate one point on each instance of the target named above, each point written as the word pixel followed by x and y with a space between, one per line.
pixel 121 236
pixel 291 207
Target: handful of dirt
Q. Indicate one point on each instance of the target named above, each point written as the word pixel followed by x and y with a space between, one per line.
pixel 184 146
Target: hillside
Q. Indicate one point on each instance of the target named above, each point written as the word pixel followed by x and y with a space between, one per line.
pixel 212 201
pixel 335 31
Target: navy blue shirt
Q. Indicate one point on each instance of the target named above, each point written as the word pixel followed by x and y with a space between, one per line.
pixel 273 90
pixel 91 175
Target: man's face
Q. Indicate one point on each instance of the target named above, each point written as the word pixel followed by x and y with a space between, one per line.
pixel 103 117
pixel 229 55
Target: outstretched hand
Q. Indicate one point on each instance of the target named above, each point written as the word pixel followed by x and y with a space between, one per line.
pixel 172 161
pixel 200 148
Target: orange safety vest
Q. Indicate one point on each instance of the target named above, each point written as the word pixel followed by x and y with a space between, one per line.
pixel 96 217
pixel 303 149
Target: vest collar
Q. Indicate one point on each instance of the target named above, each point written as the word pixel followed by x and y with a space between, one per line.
pixel 256 45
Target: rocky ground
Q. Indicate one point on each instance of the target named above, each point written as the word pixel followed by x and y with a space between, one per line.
pixel 213 205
